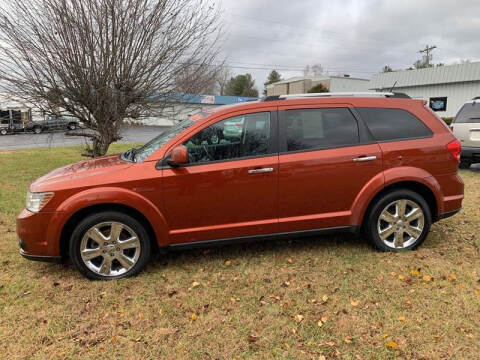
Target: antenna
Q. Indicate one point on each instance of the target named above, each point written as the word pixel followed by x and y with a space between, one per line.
pixel 395 83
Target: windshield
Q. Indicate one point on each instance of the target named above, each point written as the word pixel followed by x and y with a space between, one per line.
pixel 156 143
pixel 469 113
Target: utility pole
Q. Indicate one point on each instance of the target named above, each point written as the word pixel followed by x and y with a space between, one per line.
pixel 427 56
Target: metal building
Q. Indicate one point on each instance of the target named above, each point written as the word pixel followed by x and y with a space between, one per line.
pixel 446 88
pixel 302 84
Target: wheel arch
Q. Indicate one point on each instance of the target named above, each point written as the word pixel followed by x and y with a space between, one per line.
pixel 123 200
pixel 73 220
pixel 414 185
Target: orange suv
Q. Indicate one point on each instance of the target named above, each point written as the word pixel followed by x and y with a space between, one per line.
pixel 283 166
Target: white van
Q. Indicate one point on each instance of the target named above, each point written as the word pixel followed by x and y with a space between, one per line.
pixel 466 127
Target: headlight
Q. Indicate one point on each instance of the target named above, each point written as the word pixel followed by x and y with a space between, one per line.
pixel 36 201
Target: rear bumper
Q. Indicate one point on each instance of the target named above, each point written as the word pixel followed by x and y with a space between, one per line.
pixel 448 214
pixel 471 154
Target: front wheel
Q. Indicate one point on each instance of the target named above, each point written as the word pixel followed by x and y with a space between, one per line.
pixel 72 126
pixel 3 132
pixel 37 130
pixel 109 245
pixel 399 220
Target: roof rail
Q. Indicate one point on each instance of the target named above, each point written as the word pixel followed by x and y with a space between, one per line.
pixel 339 94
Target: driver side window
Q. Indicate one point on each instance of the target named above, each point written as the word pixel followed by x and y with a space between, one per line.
pixel 236 137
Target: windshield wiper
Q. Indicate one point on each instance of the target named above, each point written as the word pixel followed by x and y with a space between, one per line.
pixel 129 154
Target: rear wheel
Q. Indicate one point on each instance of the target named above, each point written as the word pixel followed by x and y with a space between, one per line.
pixel 3 132
pixel 72 126
pixel 109 245
pixel 399 220
pixel 465 164
pixel 37 129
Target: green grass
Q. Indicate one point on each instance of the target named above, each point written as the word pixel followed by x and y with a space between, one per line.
pixel 249 297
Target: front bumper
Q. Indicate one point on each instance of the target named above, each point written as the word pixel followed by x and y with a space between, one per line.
pixel 38 234
pixel 56 259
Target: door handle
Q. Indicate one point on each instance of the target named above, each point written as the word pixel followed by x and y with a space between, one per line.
pixel 365 158
pixel 260 171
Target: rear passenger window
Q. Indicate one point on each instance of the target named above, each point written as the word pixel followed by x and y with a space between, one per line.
pixel 320 128
pixel 391 124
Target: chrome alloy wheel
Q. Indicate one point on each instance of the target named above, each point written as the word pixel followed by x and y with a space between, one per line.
pixel 401 223
pixel 110 249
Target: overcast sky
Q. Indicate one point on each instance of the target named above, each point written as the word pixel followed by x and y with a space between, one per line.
pixel 357 37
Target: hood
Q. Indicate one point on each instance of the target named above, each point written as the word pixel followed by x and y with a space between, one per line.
pixel 82 170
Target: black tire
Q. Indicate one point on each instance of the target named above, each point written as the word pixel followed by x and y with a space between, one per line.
pixel 72 126
pixel 37 130
pixel 373 215
pixel 464 164
pixel 3 132
pixel 102 217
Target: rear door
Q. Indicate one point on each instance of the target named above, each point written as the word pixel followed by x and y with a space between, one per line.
pixel 325 160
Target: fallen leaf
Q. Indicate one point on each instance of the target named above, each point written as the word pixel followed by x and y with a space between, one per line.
pixel 321 357
pixel 172 292
pixel 392 345
pixel 289 260
pixel 402 318
pixel 320 323
pixel 452 277
pixel 401 277
pixel 195 284
pixel 194 317
pixel 324 319
pixel 415 271
pixel 354 303
pixel 348 340
pixel 325 298
pixel 427 278
pixel 228 263
pixel 253 338
pixel 287 346
pixel 298 318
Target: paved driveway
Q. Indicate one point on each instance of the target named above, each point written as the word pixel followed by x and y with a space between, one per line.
pixel 22 141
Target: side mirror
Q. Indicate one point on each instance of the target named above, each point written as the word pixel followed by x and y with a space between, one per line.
pixel 178 157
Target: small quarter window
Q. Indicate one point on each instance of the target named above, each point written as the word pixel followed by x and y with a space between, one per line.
pixel 393 124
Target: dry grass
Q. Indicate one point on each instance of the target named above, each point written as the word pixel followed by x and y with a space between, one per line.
pixel 253 301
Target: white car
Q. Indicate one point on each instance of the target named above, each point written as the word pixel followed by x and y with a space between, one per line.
pixel 466 128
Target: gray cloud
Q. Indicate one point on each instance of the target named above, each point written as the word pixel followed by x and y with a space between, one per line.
pixel 357 37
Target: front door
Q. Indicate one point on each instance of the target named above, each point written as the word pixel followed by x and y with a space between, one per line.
pixel 229 187
pixel 324 163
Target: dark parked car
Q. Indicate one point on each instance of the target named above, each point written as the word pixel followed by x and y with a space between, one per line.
pixel 52 123
pixel 10 122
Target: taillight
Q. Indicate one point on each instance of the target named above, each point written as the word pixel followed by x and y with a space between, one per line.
pixel 455 148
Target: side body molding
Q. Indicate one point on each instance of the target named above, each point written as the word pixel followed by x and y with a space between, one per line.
pixel 111 195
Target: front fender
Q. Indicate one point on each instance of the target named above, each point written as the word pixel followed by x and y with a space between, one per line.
pixel 390 177
pixel 110 195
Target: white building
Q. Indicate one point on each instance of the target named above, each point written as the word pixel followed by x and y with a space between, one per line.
pixel 302 84
pixel 446 88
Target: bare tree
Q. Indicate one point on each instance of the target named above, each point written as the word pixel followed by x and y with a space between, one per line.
pixel 223 77
pixel 315 70
pixel 105 60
